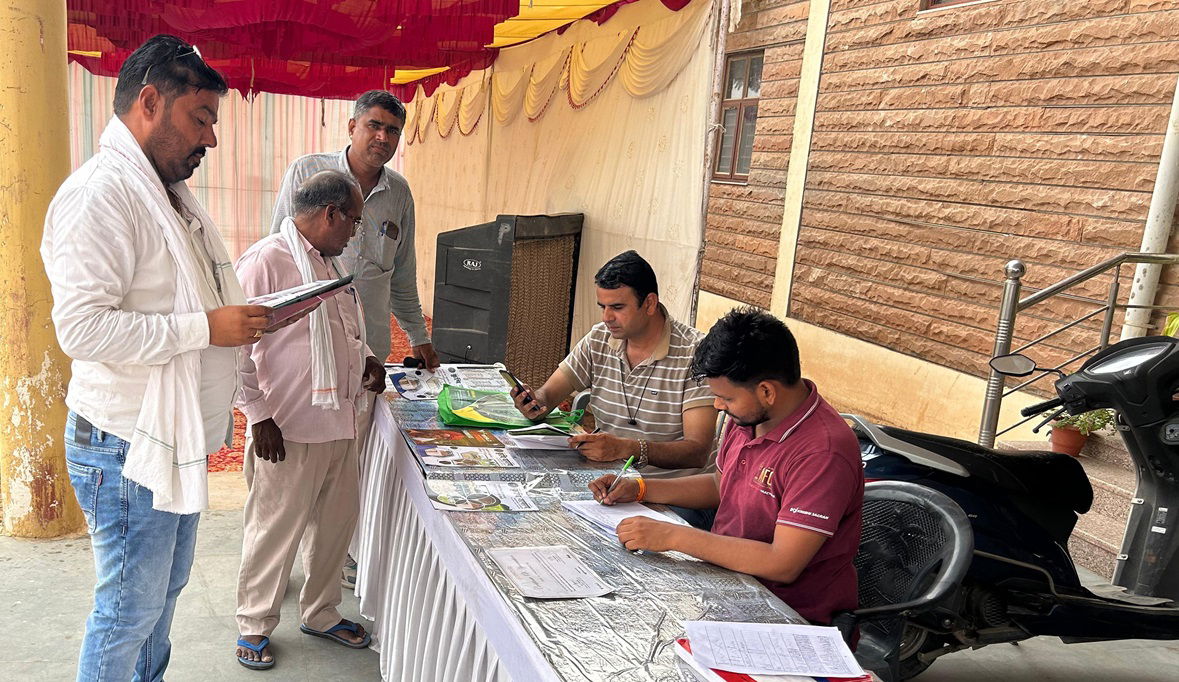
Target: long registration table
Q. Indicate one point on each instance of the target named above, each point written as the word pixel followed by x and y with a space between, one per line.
pixel 443 610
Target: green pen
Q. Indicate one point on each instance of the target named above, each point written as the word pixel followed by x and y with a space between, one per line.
pixel 617 479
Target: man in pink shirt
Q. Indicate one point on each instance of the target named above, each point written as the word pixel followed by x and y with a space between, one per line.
pixel 789 486
pixel 304 390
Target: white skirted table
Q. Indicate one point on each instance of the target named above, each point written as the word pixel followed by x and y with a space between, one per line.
pixel 443 611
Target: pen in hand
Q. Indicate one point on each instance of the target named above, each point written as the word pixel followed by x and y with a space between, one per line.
pixel 597 430
pixel 617 478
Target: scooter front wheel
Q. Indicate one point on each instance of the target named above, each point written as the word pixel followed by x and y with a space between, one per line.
pixel 914 642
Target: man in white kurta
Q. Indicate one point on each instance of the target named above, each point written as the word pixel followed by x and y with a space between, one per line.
pixel 146 304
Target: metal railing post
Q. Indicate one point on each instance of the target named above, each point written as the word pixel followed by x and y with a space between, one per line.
pixel 1005 330
pixel 1111 304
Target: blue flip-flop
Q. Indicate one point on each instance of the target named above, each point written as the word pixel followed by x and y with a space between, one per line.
pixel 256 648
pixel 330 633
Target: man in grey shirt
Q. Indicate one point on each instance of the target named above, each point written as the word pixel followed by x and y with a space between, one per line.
pixel 381 255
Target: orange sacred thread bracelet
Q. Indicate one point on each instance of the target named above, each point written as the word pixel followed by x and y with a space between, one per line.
pixel 642 489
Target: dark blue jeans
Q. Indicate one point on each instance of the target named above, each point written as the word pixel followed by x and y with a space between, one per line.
pixel 699 518
pixel 142 559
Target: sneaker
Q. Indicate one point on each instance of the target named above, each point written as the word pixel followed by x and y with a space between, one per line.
pixel 348 577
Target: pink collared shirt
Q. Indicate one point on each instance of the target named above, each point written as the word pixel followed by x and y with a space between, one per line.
pixel 276 371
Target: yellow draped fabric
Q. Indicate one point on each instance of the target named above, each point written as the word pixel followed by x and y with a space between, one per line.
pixel 633 165
pixel 645 59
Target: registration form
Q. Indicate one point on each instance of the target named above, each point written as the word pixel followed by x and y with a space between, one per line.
pixel 553 572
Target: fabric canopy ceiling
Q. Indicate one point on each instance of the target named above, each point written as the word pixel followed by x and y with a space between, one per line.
pixel 326 48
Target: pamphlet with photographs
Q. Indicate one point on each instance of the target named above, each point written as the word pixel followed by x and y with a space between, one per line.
pixel 459 438
pixel 478 496
pixel 459 457
pixel 413 384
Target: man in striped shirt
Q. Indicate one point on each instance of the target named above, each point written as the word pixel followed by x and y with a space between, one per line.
pixel 636 364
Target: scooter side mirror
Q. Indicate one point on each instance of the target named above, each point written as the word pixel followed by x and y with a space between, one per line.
pixel 1013 365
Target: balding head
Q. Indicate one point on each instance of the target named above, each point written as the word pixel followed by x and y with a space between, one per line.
pixel 326 207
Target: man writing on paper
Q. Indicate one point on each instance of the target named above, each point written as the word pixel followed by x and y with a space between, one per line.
pixel 304 393
pixel 146 304
pixel 789 482
pixel 382 255
pixel 636 364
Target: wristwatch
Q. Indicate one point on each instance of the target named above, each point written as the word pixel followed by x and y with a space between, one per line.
pixel 641 459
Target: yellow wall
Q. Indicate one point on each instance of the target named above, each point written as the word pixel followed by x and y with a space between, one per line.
pixel 885 386
pixel 35 495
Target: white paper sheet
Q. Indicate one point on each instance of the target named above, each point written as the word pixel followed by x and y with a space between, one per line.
pixel 475 377
pixel 708 675
pixel 608 517
pixel 553 572
pixel 771 649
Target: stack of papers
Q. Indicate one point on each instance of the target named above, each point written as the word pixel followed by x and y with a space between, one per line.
pixel 542 437
pixel 549 572
pixel 771 649
pixel 607 518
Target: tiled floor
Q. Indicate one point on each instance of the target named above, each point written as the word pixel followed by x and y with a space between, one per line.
pixel 45 595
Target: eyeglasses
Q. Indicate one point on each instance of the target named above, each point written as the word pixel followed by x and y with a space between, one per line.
pixel 181 52
pixel 356 222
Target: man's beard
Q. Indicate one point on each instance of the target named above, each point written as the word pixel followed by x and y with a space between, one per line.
pixel 760 419
pixel 169 154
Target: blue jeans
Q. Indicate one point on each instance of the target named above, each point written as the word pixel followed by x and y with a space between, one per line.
pixel 142 559
pixel 699 518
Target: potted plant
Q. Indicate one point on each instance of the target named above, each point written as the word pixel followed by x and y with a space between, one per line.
pixel 1070 433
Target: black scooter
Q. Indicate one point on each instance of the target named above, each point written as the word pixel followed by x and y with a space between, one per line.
pixel 1022 506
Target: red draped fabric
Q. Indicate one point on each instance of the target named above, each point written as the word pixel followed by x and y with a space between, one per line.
pixel 317 48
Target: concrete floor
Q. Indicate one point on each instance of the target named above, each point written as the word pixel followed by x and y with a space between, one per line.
pixel 45 594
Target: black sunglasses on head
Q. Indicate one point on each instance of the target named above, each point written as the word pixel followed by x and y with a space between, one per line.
pixel 181 52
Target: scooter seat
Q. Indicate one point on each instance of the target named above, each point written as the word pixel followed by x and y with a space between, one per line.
pixel 1049 476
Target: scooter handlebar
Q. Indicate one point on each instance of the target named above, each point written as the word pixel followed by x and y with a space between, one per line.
pixel 1041 407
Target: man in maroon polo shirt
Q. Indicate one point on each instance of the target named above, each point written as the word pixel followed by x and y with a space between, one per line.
pixel 789 486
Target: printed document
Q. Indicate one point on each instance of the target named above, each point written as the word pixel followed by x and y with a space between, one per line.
pixel 549 572
pixel 771 649
pixel 608 517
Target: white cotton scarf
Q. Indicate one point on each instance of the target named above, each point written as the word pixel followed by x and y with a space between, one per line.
pixel 166 453
pixel 324 386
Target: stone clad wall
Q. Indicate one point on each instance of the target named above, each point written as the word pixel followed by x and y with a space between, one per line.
pixel 743 221
pixel 947 142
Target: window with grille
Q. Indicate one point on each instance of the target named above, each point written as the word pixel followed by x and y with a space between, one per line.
pixel 738 116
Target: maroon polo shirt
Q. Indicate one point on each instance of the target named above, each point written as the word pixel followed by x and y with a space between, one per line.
pixel 806 473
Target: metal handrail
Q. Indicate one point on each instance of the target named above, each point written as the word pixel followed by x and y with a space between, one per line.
pixel 1011 305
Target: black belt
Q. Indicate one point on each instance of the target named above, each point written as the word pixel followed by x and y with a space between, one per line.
pixel 82 430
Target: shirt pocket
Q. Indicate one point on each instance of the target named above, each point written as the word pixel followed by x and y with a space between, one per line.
pixel 86 481
pixel 378 247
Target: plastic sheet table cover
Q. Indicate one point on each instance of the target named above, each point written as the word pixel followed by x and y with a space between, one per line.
pixel 626 635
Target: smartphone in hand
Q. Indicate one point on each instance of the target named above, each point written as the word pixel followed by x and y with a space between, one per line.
pixel 511 379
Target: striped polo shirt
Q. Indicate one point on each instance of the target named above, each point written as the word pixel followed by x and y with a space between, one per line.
pixel 655 392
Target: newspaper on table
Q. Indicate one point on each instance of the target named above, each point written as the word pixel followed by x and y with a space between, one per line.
pixel 607 517
pixel 478 496
pixel 549 572
pixel 771 649
pixel 450 456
